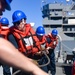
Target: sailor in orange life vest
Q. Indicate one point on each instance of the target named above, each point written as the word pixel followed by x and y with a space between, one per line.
pixel 40 32
pixel 9 54
pixel 4 5
pixel 22 35
pixel 52 43
pixel 4 32
pixel 4 27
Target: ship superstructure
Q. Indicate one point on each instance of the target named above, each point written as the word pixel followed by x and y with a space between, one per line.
pixel 62 17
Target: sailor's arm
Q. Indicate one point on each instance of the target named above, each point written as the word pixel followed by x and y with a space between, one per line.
pixel 10 55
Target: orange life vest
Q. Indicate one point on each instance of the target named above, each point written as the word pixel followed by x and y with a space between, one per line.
pixel 53 42
pixel 26 40
pixel 4 31
pixel 43 43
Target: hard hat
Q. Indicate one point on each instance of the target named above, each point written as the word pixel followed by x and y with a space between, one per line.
pixel 40 31
pixel 18 15
pixel 8 4
pixel 54 32
pixel 4 21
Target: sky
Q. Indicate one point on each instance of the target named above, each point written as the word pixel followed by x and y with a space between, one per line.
pixel 32 9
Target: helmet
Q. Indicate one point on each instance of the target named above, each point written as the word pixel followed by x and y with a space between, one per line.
pixel 40 31
pixel 54 32
pixel 4 21
pixel 18 15
pixel 8 4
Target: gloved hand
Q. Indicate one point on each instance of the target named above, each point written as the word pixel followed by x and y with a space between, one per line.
pixel 48 48
pixel 47 51
pixel 54 43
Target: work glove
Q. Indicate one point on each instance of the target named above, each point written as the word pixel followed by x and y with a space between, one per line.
pixel 54 43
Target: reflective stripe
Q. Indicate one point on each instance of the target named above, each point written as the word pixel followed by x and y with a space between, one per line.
pixel 28 41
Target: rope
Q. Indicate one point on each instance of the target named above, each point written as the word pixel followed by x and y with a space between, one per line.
pixel 38 65
pixel 16 72
pixel 47 58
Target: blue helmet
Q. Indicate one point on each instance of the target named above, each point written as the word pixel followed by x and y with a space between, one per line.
pixel 8 4
pixel 54 32
pixel 40 31
pixel 18 15
pixel 4 21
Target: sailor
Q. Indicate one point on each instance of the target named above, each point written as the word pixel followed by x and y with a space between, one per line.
pixel 4 32
pixel 23 35
pixel 10 55
pixel 4 4
pixel 40 32
pixel 52 43
pixel 4 27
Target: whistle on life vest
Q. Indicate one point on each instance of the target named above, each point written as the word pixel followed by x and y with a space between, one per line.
pixel 43 47
pixel 54 43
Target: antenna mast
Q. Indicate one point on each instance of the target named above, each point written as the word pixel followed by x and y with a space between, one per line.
pixel 67 1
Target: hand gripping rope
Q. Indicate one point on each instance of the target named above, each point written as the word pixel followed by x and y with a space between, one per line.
pixel 38 65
